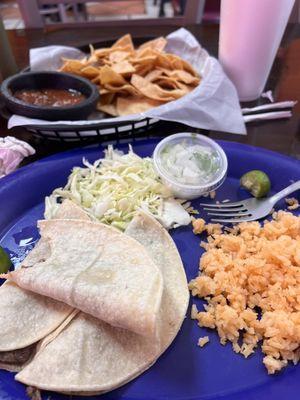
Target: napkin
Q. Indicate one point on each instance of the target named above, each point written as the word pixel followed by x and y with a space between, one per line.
pixel 12 152
pixel 213 105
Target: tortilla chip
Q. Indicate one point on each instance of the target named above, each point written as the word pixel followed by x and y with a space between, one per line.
pixel 125 89
pixel 108 109
pixel 72 66
pixel 176 62
pixel 181 75
pixel 99 63
pixel 96 81
pixel 153 91
pixel 120 69
pixel 156 44
pixel 153 75
pixel 144 69
pixel 114 82
pixel 179 63
pixel 125 42
pixel 118 56
pixel 144 59
pixel 123 68
pixel 135 105
pixel 168 83
pixel 90 72
pixel 103 91
pixel 186 88
pixel 109 77
pixel 107 98
pixel 100 53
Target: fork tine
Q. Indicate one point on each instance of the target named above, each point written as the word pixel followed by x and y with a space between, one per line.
pixel 232 209
pixel 232 221
pixel 242 214
pixel 236 204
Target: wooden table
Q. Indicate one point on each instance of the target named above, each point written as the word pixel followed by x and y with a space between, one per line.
pixel 279 135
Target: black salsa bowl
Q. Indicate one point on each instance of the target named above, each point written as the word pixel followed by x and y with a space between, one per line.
pixel 50 80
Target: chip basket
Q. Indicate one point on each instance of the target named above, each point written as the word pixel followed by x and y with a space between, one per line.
pixel 91 132
pixel 103 132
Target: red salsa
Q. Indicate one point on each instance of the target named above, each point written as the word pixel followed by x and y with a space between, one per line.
pixel 50 97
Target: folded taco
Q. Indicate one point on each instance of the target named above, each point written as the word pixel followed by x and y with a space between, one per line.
pixel 27 317
pixel 90 356
pixel 99 270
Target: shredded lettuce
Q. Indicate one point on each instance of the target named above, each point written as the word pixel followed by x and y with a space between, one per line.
pixel 112 189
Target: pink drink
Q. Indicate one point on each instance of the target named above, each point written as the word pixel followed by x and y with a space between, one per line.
pixel 250 34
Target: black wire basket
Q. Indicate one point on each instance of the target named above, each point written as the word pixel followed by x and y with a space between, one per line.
pixel 92 132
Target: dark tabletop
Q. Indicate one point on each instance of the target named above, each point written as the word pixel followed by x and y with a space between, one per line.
pixel 279 135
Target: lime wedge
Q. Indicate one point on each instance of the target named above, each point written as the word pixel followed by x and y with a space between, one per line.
pixel 5 262
pixel 256 182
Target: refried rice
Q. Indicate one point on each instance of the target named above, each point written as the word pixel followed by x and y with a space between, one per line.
pixel 250 278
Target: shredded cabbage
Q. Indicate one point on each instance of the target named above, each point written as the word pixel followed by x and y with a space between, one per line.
pixel 113 188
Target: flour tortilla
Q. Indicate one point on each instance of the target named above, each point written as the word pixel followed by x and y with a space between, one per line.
pixel 98 270
pixel 92 357
pixel 26 317
pixel 69 210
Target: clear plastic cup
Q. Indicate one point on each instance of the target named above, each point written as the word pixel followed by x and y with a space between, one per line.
pixel 250 34
pixel 189 191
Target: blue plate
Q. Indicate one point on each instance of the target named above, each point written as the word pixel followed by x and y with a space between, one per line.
pixel 184 371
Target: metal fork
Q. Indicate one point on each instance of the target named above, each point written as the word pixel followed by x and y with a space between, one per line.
pixel 247 210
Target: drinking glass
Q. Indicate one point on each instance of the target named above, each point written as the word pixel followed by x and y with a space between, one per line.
pixel 250 34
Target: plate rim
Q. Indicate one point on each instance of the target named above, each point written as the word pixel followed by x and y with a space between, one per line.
pixel 10 177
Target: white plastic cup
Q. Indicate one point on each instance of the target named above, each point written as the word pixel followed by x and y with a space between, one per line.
pixel 188 191
pixel 250 34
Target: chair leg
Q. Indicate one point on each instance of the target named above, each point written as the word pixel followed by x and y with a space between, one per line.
pixel 182 6
pixel 76 12
pixel 83 10
pixel 176 7
pixel 162 8
pixel 62 13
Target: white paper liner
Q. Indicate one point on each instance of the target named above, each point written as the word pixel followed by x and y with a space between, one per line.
pixel 213 105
